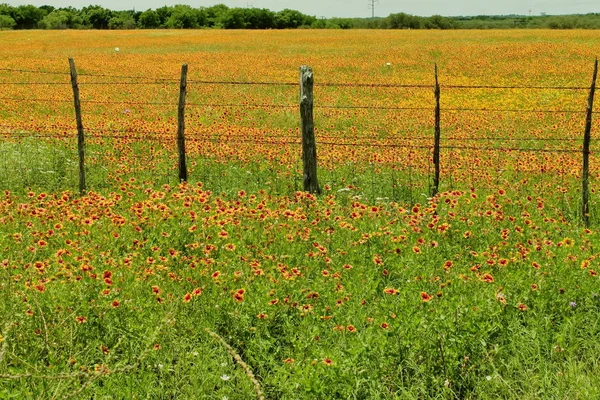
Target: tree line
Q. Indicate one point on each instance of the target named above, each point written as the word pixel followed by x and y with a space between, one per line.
pixel 167 17
pixel 224 17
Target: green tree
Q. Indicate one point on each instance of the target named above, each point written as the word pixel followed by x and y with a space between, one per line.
pixel 201 16
pixel 234 18
pixel 97 16
pixel 136 15
pixel 319 24
pixel 340 23
pixel 259 18
pixel 403 21
pixel 149 19
pixel 289 19
pixel 6 22
pixel 123 20
pixel 61 19
pixel 293 19
pixel 48 9
pixel 182 17
pixel 215 15
pixel 27 17
pixel 439 22
pixel 163 14
pixel 5 9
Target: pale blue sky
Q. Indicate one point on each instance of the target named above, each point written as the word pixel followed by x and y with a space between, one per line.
pixel 357 8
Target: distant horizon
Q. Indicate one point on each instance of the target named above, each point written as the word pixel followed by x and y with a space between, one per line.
pixel 358 8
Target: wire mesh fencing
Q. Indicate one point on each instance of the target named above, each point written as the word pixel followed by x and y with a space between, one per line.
pixel 374 141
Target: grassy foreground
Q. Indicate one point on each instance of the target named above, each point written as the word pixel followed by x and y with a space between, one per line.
pixel 145 288
pixel 461 297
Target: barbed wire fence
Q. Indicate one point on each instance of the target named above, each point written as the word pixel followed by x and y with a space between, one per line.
pixel 373 162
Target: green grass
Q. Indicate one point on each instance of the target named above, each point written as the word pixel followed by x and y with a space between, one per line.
pixel 463 344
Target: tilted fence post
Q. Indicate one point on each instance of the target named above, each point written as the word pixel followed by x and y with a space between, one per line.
pixel 309 146
pixel 437 135
pixel 80 134
pixel 587 137
pixel 181 124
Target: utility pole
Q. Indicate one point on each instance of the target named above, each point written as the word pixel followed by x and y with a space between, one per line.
pixel 372 7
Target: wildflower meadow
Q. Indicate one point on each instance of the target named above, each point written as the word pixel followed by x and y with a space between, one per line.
pixel 237 284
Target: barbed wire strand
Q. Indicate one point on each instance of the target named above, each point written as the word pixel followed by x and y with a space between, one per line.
pixel 514 87
pixel 33 83
pixel 33 71
pixel 154 135
pixel 161 81
pixel 174 80
pixel 513 149
pixel 334 107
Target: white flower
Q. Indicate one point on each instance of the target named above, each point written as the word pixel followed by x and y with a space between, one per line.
pixel 489 378
pixel 225 377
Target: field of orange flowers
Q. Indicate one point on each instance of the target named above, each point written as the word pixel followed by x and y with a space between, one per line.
pixel 237 284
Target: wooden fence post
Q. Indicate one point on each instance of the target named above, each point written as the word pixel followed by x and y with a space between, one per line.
pixel 80 134
pixel 181 124
pixel 585 206
pixel 437 135
pixel 309 146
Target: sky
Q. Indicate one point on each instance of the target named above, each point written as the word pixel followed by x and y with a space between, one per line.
pixel 356 8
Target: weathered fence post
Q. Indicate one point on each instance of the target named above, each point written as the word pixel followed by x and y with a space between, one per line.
pixel 585 206
pixel 309 146
pixel 437 135
pixel 181 124
pixel 80 134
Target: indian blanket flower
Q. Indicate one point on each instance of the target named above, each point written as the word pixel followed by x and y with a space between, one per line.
pixel 239 295
pixel 391 291
pixel 426 297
